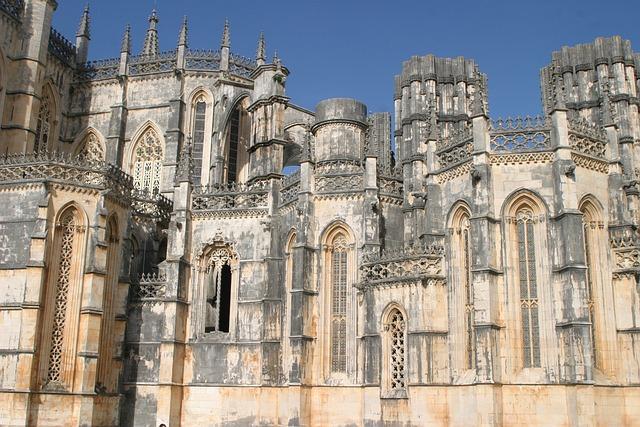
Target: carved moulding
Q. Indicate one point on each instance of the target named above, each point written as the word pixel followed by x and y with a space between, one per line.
pixel 590 163
pixel 453 173
pixel 521 158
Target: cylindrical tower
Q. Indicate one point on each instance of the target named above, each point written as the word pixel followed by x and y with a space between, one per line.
pixel 340 129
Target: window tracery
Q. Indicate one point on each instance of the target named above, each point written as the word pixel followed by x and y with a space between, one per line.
pixel 396 336
pixel 92 149
pixel 147 164
pixel 467 280
pixel 43 126
pixel 339 303
pixel 198 132
pixel 528 287
pixel 218 291
pixel 68 226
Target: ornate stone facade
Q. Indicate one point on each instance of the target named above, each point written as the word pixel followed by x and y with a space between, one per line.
pixel 180 244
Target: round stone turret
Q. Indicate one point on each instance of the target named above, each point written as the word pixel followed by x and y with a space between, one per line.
pixel 340 129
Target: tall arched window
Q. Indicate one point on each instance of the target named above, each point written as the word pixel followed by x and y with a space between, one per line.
pixel 147 162
pixel 198 131
pixel 217 281
pixel 288 286
pixel 591 227
pixel 395 350
pixel 462 296
pixel 339 304
pixel 104 375
pixel 62 302
pixel 44 124
pixel 467 285
pixel 528 288
pixel 237 144
pixel 91 148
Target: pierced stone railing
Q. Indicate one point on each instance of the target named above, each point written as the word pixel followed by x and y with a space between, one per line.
pixel 232 196
pixel 13 8
pixel 587 138
pixel 78 171
pixel 202 60
pixel 61 48
pixel 520 134
pixel 100 70
pixel 150 64
pixel 339 176
pixel 149 287
pixel 413 264
pixel 53 166
pixel 290 188
pixel 241 65
pixel 155 206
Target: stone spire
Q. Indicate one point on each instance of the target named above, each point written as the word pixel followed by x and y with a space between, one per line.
pixel 151 41
pixel 261 52
pixel 126 40
pixel 226 37
pixel 224 47
pixel 83 28
pixel 82 37
pixel 184 33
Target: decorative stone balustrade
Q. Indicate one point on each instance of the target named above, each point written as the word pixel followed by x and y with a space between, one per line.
pixel 413 264
pixel 586 138
pixel 290 188
pixel 13 8
pixel 232 199
pixel 149 287
pixel 339 176
pixel 520 134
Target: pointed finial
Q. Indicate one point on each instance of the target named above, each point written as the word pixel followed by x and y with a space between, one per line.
pixel 83 28
pixel 184 31
pixel 151 40
pixel 261 52
pixel 126 40
pixel 226 38
pixel 276 59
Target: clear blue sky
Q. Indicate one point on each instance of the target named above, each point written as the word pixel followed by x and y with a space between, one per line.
pixel 353 48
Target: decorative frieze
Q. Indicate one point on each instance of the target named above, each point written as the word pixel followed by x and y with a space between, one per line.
pixel 453 172
pixel 590 163
pixel 521 158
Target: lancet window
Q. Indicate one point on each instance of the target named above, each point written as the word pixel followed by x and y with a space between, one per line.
pixel 396 330
pixel 338 322
pixel 528 287
pixel 43 126
pixel 62 296
pixel 467 283
pixel 104 374
pixel 199 123
pixel 591 232
pixel 147 162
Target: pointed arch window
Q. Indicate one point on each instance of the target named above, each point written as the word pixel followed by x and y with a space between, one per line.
pixel 147 162
pixel 528 286
pixel 338 323
pixel 43 126
pixel 104 377
pixel 591 237
pixel 198 131
pixel 396 337
pixel 59 334
pixel 92 149
pixel 236 154
pixel 218 291
pixel 467 282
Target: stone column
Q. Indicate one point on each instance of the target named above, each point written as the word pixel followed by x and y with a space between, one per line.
pixel 485 255
pixel 569 275
pixel 24 97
